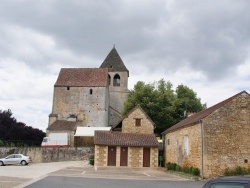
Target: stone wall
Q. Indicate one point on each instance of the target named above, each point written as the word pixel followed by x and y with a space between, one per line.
pixel 174 147
pixel 135 156
pixel 101 155
pixel 154 157
pixel 42 155
pixel 227 137
pixel 129 123
pixel 90 109
pixel 117 97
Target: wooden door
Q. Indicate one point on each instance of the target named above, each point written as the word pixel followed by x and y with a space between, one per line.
pixel 146 157
pixel 111 156
pixel 124 156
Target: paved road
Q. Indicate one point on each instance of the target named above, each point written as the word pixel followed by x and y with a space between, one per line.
pixel 77 182
pixel 79 173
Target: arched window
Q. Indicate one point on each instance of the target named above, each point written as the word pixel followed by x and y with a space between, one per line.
pixel 109 79
pixel 116 81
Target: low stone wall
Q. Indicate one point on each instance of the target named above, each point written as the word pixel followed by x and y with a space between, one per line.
pixel 43 155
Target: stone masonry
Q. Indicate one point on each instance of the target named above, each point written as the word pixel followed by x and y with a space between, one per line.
pixel 147 126
pixel 225 134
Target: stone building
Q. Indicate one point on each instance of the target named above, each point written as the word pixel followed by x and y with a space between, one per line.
pixel 213 139
pixel 90 97
pixel 133 145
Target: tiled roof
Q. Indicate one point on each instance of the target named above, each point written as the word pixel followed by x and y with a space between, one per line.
pixel 200 115
pixel 109 138
pixel 114 62
pixel 82 77
pixel 60 125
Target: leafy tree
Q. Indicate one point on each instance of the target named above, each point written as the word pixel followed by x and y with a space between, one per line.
pixel 11 130
pixel 163 105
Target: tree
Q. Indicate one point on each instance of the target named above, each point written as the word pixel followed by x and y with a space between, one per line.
pixel 163 105
pixel 11 130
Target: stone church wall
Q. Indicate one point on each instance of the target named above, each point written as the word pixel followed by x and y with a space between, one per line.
pixel 117 97
pixel 89 104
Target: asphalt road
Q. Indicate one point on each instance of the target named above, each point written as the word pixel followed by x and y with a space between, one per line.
pixel 80 174
pixel 78 182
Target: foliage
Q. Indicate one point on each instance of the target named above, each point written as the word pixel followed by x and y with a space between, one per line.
pixel 186 169
pixel 237 171
pixel 92 160
pixel 14 133
pixel 163 105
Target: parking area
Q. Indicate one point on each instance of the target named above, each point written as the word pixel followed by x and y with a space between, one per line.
pixel 20 176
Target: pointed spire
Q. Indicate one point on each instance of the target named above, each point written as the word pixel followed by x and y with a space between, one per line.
pixel 114 62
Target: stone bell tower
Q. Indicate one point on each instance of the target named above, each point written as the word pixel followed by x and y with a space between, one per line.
pixel 118 85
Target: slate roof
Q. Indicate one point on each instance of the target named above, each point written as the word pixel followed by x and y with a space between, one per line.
pixel 200 115
pixel 62 125
pixel 83 77
pixel 114 62
pixel 109 138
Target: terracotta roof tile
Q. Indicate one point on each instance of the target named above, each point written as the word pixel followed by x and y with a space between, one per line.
pixel 109 138
pixel 200 115
pixel 64 125
pixel 83 77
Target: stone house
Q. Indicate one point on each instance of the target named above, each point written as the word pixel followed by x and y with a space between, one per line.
pixel 133 145
pixel 90 97
pixel 213 139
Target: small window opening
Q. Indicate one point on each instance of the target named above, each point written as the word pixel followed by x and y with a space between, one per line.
pixel 68 88
pixel 137 122
pixel 109 79
pixel 168 141
pixel 91 91
pixel 117 80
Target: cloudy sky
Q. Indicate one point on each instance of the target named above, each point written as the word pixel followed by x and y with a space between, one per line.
pixel 202 44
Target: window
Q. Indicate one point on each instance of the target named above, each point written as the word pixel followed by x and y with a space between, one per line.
pixel 109 79
pixel 137 122
pixel 91 91
pixel 168 141
pixel 117 80
pixel 186 145
pixel 68 88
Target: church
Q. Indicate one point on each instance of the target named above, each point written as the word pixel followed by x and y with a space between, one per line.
pixel 89 97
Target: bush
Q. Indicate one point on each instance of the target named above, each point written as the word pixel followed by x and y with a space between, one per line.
pixel 185 169
pixel 237 171
pixel 196 172
pixel 178 168
pixel 92 160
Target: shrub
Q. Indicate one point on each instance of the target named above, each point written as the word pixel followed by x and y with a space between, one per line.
pixel 196 171
pixel 92 160
pixel 178 168
pixel 185 169
pixel 237 171
pixel 171 166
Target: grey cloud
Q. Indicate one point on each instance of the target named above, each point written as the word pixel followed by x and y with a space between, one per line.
pixel 209 36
